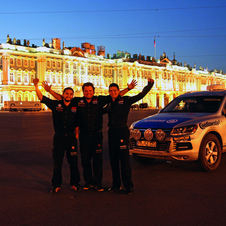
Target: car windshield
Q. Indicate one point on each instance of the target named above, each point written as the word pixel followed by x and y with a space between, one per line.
pixel 207 104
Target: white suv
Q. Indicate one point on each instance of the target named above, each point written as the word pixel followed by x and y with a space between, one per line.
pixel 190 128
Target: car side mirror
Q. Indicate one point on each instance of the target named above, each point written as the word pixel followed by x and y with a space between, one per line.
pixel 224 112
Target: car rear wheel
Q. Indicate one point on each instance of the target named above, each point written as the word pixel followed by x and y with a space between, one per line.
pixel 209 154
pixel 141 159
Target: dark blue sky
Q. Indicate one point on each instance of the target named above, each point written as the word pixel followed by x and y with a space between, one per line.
pixel 194 30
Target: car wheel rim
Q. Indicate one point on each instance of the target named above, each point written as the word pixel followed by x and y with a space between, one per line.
pixel 211 153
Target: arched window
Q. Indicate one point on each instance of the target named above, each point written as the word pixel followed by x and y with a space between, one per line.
pixel 19 97
pixel 11 61
pixel 98 81
pixel 120 82
pixel 32 63
pixel 54 79
pixel 66 79
pixel 19 78
pixel 26 78
pixel 11 77
pixel 59 79
pixel 32 78
pixel 75 79
pixel 48 78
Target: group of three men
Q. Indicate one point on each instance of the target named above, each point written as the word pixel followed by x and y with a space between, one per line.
pixel 86 113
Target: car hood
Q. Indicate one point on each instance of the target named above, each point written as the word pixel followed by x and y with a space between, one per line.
pixel 170 120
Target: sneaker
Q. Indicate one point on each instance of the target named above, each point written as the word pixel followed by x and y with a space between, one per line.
pixel 76 187
pixel 114 189
pixel 87 186
pixel 98 188
pixel 129 191
pixel 55 190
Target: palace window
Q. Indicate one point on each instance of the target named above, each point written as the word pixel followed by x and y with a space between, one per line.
pixel 75 79
pixel 32 63
pixel 32 78
pixel 19 78
pixel 25 63
pixel 82 79
pixel 11 61
pixel 26 98
pixel 48 78
pixel 59 79
pixel 54 64
pixel 66 79
pixel 106 82
pixel 19 62
pixel 98 81
pixel 67 65
pixel 25 78
pixel 48 63
pixel 54 78
pixel 19 97
pixel 11 77
pixel 58 64
pixel 120 82
pixel 74 66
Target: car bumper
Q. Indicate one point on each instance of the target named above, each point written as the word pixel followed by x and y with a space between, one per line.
pixel 184 150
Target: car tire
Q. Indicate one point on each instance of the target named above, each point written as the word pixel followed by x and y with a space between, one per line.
pixel 141 159
pixel 209 154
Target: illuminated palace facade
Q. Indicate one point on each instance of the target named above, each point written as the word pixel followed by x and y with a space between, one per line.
pixel 63 67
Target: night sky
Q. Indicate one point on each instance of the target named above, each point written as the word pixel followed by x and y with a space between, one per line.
pixel 195 31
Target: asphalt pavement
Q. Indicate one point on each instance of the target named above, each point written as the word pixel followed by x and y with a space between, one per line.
pixel 165 193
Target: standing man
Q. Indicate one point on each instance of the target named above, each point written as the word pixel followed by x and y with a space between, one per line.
pixel 65 122
pixel 90 114
pixel 118 135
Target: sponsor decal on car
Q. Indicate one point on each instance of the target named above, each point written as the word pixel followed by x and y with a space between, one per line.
pixel 207 124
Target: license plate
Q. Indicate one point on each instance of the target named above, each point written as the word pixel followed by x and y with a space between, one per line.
pixel 145 143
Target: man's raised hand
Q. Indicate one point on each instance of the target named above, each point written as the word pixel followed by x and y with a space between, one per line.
pixel 132 84
pixel 46 86
pixel 36 81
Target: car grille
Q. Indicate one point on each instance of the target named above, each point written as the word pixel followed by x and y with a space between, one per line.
pixel 161 146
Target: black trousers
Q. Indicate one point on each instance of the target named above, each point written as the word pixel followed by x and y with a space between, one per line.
pixel 91 156
pixel 118 141
pixel 65 143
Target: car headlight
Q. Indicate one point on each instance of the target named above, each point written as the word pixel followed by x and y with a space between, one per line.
pixel 132 125
pixel 136 134
pixel 160 135
pixel 185 130
pixel 148 134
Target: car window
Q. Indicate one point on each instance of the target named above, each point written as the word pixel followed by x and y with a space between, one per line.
pixel 207 104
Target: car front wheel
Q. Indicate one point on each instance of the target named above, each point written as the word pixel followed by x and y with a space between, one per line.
pixel 209 154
